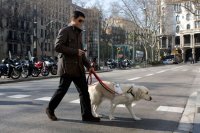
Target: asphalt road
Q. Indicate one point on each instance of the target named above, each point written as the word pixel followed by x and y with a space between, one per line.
pixel 22 104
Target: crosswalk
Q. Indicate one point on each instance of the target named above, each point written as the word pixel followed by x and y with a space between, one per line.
pixel 176 69
pixel 160 108
pixel 77 101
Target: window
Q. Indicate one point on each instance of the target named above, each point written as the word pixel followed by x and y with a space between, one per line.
pixel 22 24
pixel 188 5
pixel 197 14
pixel 197 24
pixel 49 47
pixel 15 49
pixel 177 19
pixel 42 21
pixel 41 33
pixel 45 47
pixel 177 29
pixel 22 37
pixel 188 17
pixel 188 26
pixel 177 7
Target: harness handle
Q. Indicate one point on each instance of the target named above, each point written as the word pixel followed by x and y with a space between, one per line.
pixel 100 81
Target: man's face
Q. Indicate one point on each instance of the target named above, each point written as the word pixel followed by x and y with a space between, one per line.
pixel 78 22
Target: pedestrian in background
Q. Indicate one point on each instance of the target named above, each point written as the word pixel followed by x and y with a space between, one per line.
pixel 71 62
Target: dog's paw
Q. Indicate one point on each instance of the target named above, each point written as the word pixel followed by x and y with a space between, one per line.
pixel 98 115
pixel 137 118
pixel 111 117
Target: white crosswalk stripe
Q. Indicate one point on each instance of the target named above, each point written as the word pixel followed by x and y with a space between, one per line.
pixel 1 94
pixel 123 106
pixel 19 96
pixel 43 99
pixel 75 101
pixel 160 71
pixel 149 75
pixel 134 78
pixel 170 109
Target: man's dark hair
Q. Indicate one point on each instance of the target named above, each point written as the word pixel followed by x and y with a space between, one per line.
pixel 77 14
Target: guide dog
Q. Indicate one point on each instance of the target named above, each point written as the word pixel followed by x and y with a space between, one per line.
pixel 126 95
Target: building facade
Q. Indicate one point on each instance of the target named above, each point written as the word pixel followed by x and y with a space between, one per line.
pixel 185 28
pixel 91 30
pixel 166 24
pixel 31 25
pixel 187 36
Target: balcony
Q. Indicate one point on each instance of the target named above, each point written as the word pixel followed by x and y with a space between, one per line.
pixel 197 44
pixel 187 45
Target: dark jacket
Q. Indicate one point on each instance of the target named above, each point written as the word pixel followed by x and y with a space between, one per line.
pixel 68 41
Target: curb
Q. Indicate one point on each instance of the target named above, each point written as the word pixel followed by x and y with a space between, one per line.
pixel 40 78
pixel 186 121
pixel 196 127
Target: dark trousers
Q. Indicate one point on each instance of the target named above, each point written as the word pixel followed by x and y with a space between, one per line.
pixel 82 87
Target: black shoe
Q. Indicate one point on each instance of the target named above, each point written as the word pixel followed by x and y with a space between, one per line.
pixel 51 115
pixel 90 119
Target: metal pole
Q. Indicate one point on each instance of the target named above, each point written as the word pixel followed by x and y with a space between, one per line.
pixel 98 43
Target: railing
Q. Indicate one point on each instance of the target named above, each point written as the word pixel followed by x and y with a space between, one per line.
pixel 187 44
pixel 197 43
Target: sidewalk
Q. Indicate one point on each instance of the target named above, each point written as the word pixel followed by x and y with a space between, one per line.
pixel 30 78
pixel 190 121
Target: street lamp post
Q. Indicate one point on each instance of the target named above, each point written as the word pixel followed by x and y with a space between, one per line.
pixel 98 41
pixel 35 39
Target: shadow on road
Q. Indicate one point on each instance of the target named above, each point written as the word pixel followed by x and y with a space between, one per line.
pixel 145 124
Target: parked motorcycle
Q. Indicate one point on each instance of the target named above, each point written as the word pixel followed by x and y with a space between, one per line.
pixel 111 63
pixel 40 67
pixel 25 69
pixel 10 68
pixel 52 66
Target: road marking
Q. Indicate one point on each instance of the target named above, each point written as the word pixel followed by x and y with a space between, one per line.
pixel 134 78
pixel 175 69
pixel 43 99
pixel 149 75
pixel 199 70
pixel 1 94
pixel 184 70
pixel 161 71
pixel 123 106
pixel 170 109
pixel 75 101
pixel 19 96
pixel 120 105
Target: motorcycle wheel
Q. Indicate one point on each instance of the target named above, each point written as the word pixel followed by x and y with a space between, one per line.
pixel 15 74
pixel 54 70
pixel 35 73
pixel 24 74
pixel 44 72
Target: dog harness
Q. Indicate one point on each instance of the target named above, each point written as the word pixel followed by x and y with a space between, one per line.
pixel 130 91
pixel 117 91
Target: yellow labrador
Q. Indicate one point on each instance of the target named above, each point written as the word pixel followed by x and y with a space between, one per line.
pixel 128 94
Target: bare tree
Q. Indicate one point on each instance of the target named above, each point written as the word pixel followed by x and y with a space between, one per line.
pixel 187 5
pixel 143 14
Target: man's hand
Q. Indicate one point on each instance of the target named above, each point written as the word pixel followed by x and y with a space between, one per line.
pixel 81 52
pixel 91 70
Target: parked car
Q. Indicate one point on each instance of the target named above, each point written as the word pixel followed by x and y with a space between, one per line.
pixel 170 59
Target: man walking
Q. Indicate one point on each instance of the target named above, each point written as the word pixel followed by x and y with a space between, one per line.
pixel 71 62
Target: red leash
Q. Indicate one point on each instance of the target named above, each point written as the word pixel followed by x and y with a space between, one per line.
pixel 101 82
